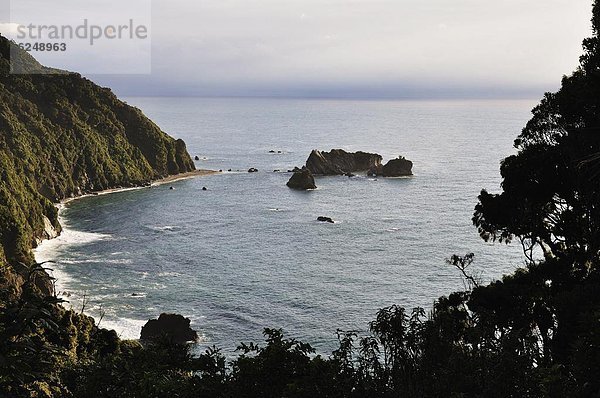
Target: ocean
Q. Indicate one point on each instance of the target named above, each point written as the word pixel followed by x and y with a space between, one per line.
pixel 248 253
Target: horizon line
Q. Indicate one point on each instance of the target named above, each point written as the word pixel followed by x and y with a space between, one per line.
pixel 337 98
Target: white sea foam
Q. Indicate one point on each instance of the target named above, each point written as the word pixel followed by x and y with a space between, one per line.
pixel 159 286
pixel 168 273
pixel 108 287
pixel 96 260
pixel 164 228
pixel 63 282
pixel 47 250
pixel 50 250
pixel 129 328
pixel 126 328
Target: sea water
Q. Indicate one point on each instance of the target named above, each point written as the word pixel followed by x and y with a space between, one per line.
pixel 248 253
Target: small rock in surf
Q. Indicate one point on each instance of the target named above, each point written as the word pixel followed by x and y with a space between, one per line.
pixel 325 219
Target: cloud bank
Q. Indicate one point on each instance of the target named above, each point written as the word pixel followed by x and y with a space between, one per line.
pixel 360 48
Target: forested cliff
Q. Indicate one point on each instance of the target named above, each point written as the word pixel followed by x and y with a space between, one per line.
pixel 61 135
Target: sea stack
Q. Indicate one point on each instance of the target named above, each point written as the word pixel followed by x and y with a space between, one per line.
pixel 174 327
pixel 340 162
pixel 399 167
pixel 302 179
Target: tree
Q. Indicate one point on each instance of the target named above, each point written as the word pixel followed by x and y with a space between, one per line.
pixel 551 187
pixel 550 203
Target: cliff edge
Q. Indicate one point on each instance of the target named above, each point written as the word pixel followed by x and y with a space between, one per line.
pixel 61 136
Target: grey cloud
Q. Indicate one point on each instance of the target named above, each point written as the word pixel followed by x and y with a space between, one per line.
pixel 361 47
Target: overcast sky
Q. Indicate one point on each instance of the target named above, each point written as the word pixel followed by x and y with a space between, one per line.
pixel 360 48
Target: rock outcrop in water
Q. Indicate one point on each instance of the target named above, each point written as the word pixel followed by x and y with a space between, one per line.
pixel 325 219
pixel 173 327
pixel 399 167
pixel 60 136
pixel 340 162
pixel 302 179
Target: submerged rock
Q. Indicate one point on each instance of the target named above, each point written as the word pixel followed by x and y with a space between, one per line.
pixel 340 162
pixel 196 158
pixel 174 327
pixel 302 179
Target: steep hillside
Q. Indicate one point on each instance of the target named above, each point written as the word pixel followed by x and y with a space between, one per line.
pixel 62 135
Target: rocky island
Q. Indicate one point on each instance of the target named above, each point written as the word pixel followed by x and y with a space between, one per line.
pixel 173 327
pixel 399 167
pixel 340 162
pixel 302 179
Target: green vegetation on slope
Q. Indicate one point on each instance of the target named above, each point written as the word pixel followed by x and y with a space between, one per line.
pixel 61 135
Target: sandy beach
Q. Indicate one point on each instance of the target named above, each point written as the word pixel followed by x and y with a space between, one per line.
pixel 162 181
pixel 184 176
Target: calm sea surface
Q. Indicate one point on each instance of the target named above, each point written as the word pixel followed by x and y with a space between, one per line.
pixel 248 253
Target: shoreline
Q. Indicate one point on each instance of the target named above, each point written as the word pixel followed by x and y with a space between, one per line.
pixel 184 176
pixel 43 251
pixel 155 183
pixel 169 179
